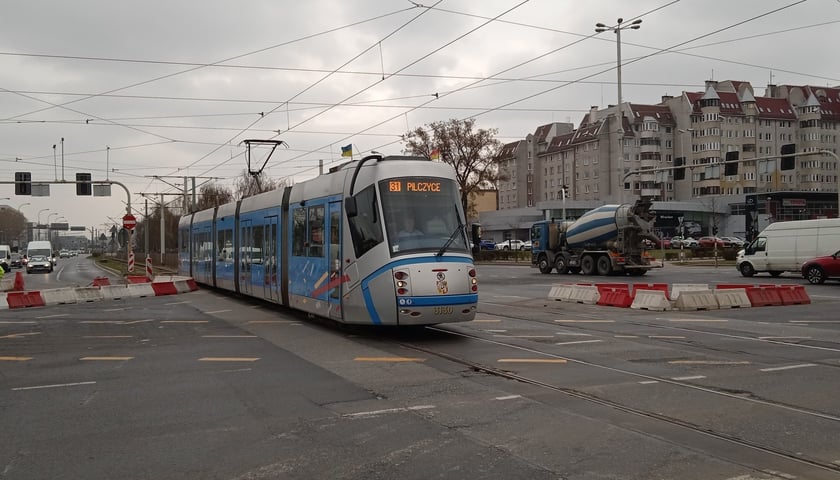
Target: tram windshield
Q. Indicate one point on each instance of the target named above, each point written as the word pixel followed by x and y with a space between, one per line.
pixel 422 215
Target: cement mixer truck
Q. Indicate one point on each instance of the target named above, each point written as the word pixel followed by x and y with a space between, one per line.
pixel 608 240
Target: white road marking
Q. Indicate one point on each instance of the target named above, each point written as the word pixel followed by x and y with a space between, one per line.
pixel 694 377
pixel 57 385
pixel 388 410
pixel 648 382
pixel 509 397
pixel 788 367
pixel 57 315
pixel 217 311
pixel 578 342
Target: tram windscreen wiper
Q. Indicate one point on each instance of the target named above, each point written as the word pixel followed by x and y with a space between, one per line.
pixel 451 238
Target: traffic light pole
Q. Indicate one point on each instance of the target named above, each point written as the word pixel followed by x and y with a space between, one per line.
pixel 93 182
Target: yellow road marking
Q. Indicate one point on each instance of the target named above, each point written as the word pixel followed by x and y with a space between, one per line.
pixel 18 335
pixel 106 359
pixel 14 359
pixel 228 359
pixel 389 359
pixel 531 360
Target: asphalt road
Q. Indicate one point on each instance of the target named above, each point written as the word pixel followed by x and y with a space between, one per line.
pixel 204 385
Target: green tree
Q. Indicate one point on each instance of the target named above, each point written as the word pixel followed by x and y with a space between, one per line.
pixel 471 152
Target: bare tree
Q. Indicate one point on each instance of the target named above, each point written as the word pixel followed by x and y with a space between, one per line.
pixel 212 195
pixel 248 185
pixel 471 153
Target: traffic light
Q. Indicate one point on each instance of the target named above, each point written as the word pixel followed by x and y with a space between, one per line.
pixel 23 183
pixel 714 230
pixel 83 188
pixel 731 165
pixel 679 173
pixel 788 157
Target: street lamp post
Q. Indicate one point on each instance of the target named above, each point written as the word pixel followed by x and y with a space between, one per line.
pixel 600 27
pixel 49 228
pixel 39 222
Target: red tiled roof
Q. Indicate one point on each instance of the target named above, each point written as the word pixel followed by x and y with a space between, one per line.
pixel 509 149
pixel 660 112
pixel 778 108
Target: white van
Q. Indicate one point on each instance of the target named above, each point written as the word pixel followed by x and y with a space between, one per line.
pixel 784 246
pixel 41 249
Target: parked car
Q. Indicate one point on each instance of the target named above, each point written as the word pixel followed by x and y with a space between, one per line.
pixel 687 242
pixel 816 270
pixel 510 245
pixel 487 245
pixel 734 241
pixel 709 242
pixel 526 245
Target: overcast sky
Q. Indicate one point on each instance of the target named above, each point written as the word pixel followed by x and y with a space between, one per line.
pixel 173 87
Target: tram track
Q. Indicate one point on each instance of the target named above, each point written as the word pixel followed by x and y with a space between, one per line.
pixel 797 457
pixel 590 328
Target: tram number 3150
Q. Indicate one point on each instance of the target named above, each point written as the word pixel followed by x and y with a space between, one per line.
pixel 443 310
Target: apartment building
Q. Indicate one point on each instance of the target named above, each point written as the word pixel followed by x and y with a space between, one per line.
pixel 696 130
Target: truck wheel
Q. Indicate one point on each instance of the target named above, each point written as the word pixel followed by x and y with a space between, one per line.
pixel 544 265
pixel 560 265
pixel 604 266
pixel 815 275
pixel 587 265
pixel 746 269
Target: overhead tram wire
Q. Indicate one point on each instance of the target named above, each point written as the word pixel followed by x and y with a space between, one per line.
pixel 533 78
pixel 254 52
pixel 402 68
pixel 602 71
pixel 305 90
pixel 644 57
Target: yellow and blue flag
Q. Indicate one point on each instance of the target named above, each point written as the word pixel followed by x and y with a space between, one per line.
pixel 347 151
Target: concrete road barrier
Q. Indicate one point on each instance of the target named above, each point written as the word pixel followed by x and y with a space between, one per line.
pixel 678 288
pixel 59 296
pixel 696 300
pixel 650 300
pixel 733 298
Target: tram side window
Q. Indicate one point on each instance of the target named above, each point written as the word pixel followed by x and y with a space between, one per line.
pixel 316 231
pixel 224 245
pixel 299 232
pixel 365 227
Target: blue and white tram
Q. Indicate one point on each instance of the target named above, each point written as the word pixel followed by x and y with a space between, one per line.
pixel 343 246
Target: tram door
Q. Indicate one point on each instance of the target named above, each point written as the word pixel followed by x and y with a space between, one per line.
pixel 271 289
pixel 334 258
pixel 246 256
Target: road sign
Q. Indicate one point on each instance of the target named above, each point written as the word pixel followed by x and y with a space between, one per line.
pixel 129 222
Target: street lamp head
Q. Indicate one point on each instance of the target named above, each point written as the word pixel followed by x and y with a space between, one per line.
pixel 600 25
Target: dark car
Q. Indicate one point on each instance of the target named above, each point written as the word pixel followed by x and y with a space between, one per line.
pixel 817 270
pixel 487 245
pixel 16 261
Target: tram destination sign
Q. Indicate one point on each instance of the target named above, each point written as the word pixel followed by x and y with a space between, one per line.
pixel 415 186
